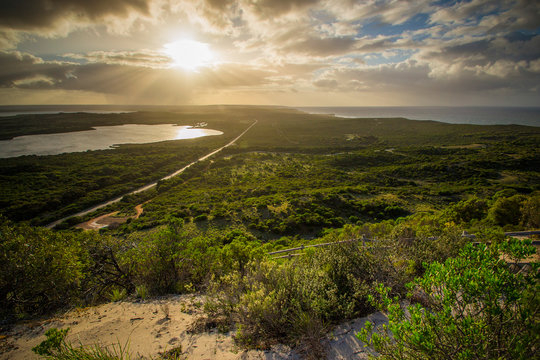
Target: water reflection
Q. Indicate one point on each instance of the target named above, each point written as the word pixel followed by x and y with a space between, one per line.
pixel 102 137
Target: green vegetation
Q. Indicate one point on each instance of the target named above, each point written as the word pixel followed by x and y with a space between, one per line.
pixel 292 179
pixel 56 347
pixel 474 307
pixel 45 188
pixel 389 153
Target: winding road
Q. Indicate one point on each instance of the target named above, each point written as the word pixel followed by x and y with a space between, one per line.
pixel 151 185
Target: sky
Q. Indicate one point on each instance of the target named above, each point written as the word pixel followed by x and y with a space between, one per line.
pixel 271 52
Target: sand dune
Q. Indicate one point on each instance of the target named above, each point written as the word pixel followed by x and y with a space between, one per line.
pixel 157 325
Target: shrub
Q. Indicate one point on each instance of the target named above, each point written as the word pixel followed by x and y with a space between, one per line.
pixel 422 245
pixel 530 212
pixel 155 260
pixel 477 308
pixel 118 294
pixel 506 210
pixel 55 347
pixel 296 301
pixel 468 210
pixel 141 292
pixel 40 270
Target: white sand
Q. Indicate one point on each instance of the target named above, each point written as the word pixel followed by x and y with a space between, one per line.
pixel 146 328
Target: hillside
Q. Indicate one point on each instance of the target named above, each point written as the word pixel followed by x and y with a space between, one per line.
pixel 293 179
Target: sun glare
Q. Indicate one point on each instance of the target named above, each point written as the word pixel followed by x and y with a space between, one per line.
pixel 189 54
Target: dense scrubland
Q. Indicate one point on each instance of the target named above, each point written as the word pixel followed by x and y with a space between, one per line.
pixel 293 179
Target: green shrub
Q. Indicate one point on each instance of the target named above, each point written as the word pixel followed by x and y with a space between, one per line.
pixel 118 294
pixel 468 210
pixel 154 259
pixel 477 308
pixel 55 347
pixel 530 212
pixel 141 292
pixel 506 211
pixel 40 270
pixel 296 301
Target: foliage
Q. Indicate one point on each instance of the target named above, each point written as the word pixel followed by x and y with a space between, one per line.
pixel 39 270
pixel 321 161
pixel 506 210
pixel 298 300
pixel 477 307
pixel 118 295
pixel 530 210
pixel 55 347
pixel 293 179
pixel 141 292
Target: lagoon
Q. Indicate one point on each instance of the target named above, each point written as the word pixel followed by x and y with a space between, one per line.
pixel 101 137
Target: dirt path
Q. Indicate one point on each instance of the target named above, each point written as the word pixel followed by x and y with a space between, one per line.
pixel 139 210
pixel 157 325
pixel 98 222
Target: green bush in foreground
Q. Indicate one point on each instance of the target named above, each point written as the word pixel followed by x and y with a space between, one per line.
pixel 476 307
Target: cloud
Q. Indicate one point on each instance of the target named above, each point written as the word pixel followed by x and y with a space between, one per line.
pixel 320 46
pixel 280 46
pixel 422 79
pixel 142 84
pixel 54 18
pixel 32 15
pixel 17 67
pixel 477 56
pixel 146 58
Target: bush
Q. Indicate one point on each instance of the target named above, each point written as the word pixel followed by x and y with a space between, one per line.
pixel 530 212
pixel 55 347
pixel 506 211
pixel 118 295
pixel 141 292
pixel 468 210
pixel 476 308
pixel 154 260
pixel 40 270
pixel 296 301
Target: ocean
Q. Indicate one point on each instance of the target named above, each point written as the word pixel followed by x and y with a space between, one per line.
pixel 454 115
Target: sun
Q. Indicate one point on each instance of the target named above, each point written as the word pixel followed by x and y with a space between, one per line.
pixel 189 54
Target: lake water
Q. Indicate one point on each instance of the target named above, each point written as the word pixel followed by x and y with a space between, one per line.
pixel 102 137
pixel 454 115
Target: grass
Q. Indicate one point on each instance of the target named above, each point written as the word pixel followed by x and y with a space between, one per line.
pixel 56 347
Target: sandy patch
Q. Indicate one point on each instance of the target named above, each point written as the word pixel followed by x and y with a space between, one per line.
pixel 154 326
pixel 148 327
pixel 110 219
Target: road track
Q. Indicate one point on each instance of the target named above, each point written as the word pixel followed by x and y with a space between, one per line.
pixel 151 185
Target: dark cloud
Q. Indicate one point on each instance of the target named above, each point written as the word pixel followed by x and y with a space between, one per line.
pixel 30 15
pixel 321 46
pixel 16 67
pixel 513 48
